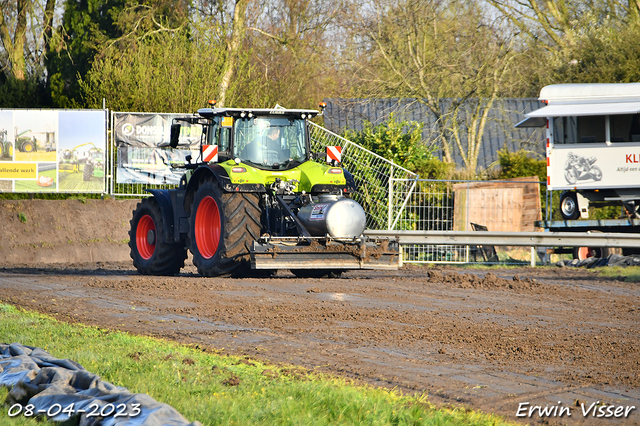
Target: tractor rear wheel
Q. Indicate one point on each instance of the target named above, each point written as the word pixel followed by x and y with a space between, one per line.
pixel 150 254
pixel 223 228
pixel 28 146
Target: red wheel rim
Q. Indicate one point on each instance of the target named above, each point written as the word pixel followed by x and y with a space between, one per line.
pixel 145 224
pixel 207 227
pixel 584 253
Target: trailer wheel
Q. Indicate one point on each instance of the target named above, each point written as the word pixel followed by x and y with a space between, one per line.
pixel 150 254
pixel 569 206
pixel 223 228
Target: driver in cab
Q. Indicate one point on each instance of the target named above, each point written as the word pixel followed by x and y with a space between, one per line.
pixel 269 147
pixel 273 139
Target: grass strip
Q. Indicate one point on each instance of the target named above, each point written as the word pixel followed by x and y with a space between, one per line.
pixel 219 389
pixel 629 274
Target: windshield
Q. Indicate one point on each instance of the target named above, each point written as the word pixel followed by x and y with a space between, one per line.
pixel 270 142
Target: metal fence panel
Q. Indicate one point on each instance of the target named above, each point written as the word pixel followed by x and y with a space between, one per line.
pixel 383 186
pixel 430 206
pixel 125 189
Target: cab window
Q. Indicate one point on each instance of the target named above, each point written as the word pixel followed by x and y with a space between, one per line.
pixel 218 135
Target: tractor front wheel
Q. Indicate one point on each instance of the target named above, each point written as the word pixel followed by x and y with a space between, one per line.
pixel 150 253
pixel 223 228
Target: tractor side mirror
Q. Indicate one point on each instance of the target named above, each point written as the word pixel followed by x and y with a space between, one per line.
pixel 175 135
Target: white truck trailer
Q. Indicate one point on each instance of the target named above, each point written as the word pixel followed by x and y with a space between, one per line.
pixel 593 155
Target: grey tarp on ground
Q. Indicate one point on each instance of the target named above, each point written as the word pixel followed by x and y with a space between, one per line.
pixel 35 377
pixel 611 260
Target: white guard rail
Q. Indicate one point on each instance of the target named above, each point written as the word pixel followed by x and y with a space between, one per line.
pixel 488 238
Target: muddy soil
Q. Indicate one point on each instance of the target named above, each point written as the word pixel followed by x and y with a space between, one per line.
pixel 492 340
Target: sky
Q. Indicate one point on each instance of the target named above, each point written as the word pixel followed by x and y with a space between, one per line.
pixel 79 127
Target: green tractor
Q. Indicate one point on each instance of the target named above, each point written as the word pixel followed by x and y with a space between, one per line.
pixel 93 164
pixel 92 161
pixel 25 143
pixel 6 147
pixel 255 202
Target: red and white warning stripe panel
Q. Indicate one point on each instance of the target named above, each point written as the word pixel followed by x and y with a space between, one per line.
pixel 209 153
pixel 334 153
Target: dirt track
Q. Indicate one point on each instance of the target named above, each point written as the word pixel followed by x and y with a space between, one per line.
pixel 486 339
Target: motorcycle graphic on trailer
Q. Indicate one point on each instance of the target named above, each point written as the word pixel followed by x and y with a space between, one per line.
pixel 581 168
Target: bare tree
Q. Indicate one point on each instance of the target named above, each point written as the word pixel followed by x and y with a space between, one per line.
pixel 276 51
pixel 234 44
pixel 26 29
pixel 575 40
pixel 445 54
pixel 294 49
pixel 557 22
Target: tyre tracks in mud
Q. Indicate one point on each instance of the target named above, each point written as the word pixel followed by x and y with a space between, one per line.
pixel 486 339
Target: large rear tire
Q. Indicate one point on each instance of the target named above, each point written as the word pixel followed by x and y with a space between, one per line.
pixel 223 228
pixel 150 254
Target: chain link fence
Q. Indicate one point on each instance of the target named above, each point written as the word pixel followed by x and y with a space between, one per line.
pixel 462 205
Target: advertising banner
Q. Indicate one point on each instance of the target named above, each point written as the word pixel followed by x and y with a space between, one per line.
pixel 143 151
pixel 594 167
pixel 52 150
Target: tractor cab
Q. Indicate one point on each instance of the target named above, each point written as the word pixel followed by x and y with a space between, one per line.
pixel 267 139
pixel 272 143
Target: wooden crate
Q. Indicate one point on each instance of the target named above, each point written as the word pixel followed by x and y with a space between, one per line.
pixel 508 206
